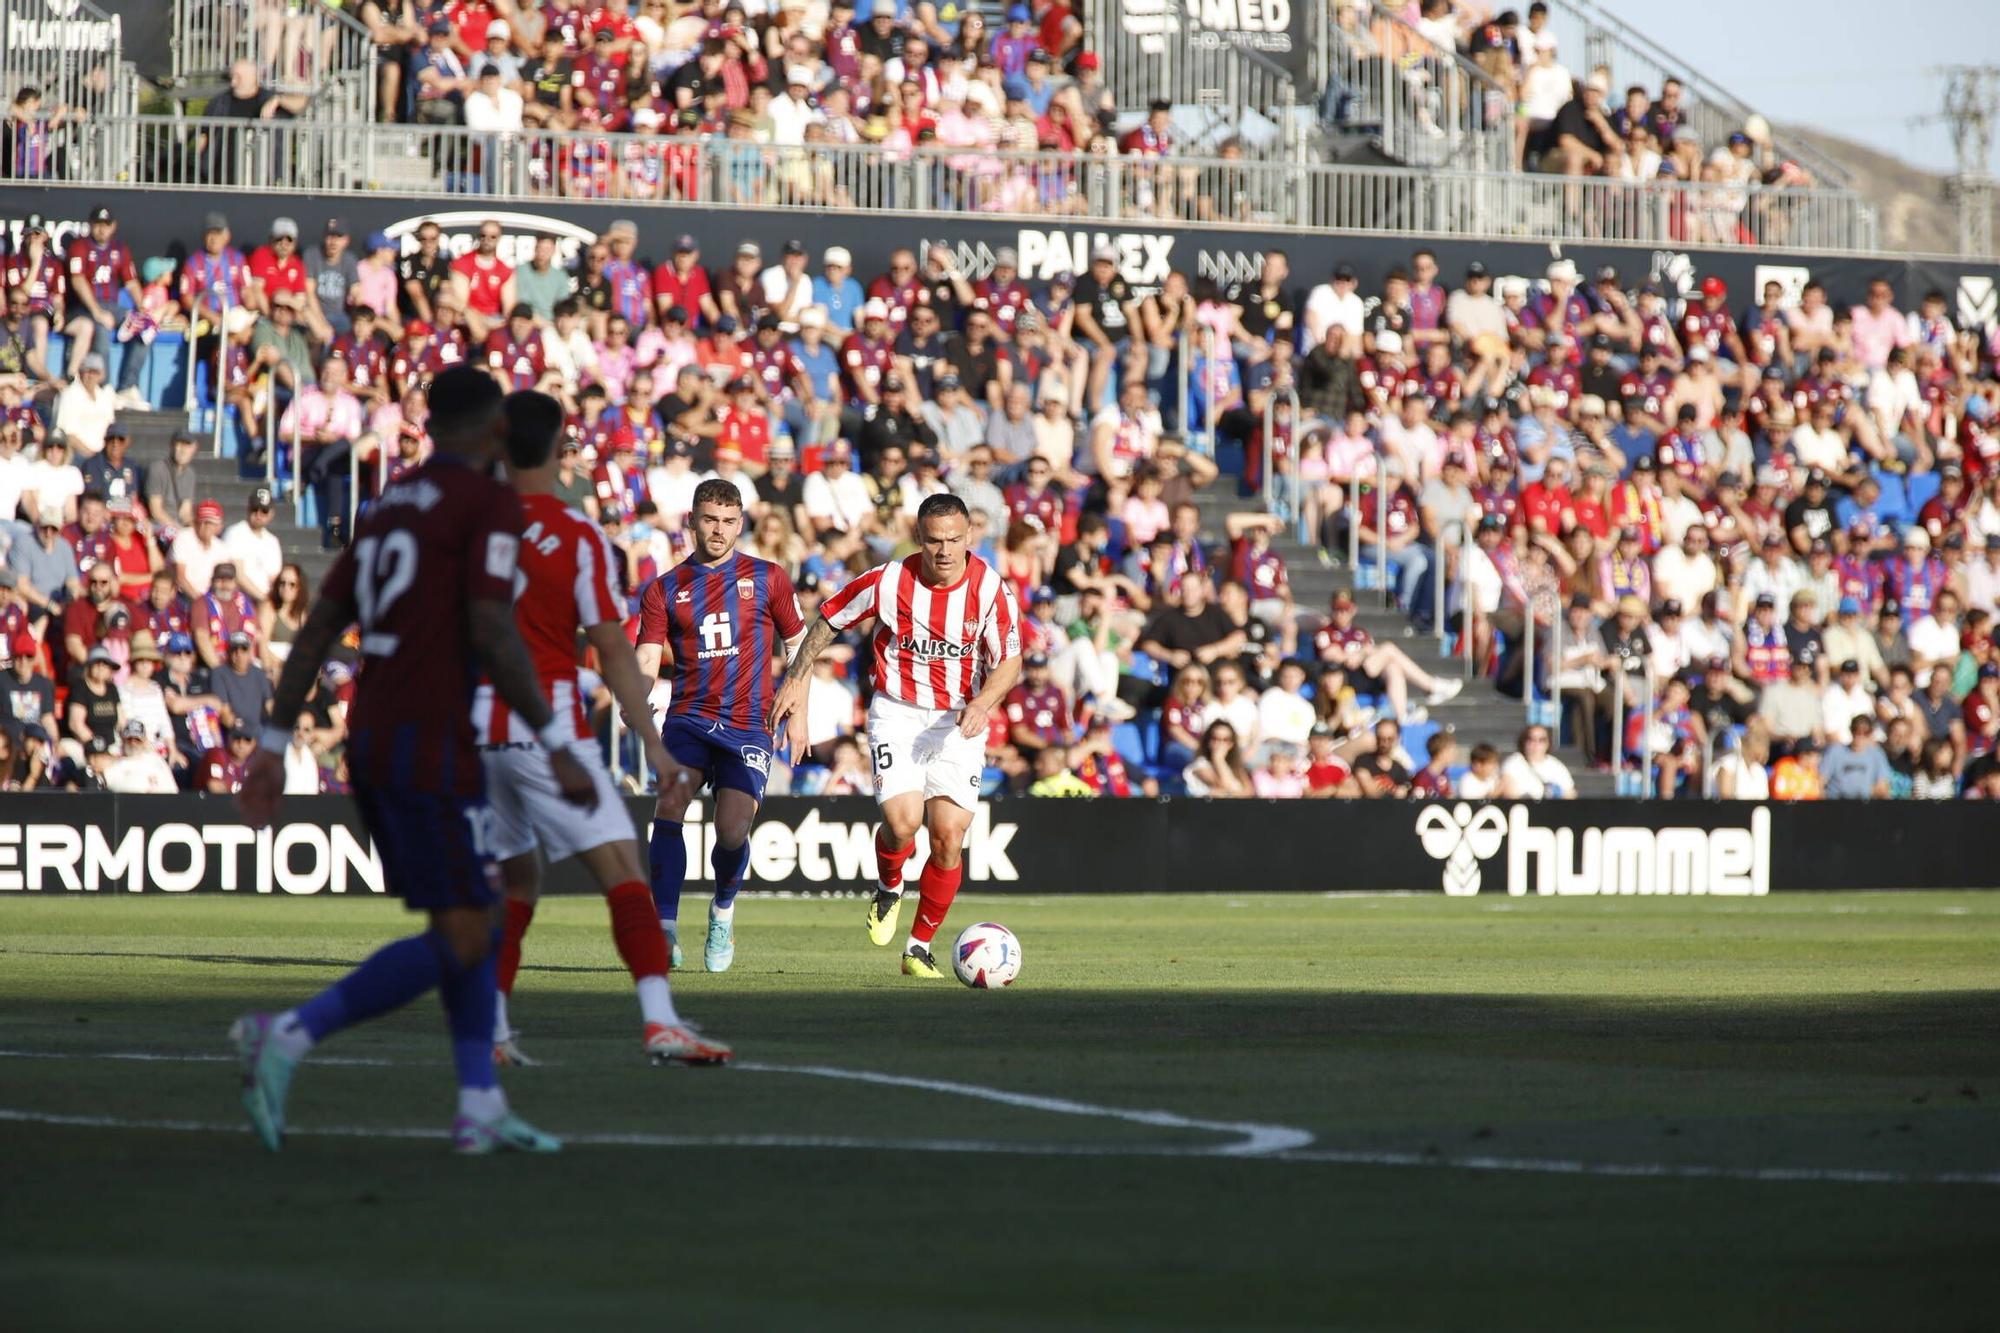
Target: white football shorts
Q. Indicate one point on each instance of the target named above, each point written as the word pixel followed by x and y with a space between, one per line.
pixel 528 811
pixel 919 749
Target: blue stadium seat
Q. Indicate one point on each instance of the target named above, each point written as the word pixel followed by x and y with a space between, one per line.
pixel 58 356
pixel 1894 506
pixel 1417 735
pixel 1148 723
pixel 1922 488
pixel 1129 740
pixel 164 381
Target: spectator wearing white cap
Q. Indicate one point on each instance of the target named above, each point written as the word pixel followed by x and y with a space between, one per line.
pixel 86 407
pixel 792 110
pixel 838 290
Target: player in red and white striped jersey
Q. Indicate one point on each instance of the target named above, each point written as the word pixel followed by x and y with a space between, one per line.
pixel 566 584
pixel 945 652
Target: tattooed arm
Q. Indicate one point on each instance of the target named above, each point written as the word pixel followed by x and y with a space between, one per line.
pixel 789 707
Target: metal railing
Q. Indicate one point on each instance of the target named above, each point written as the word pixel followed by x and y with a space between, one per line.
pixel 299 47
pixel 1283 501
pixel 1588 38
pixel 1421 104
pixel 304 156
pixel 1151 49
pixel 74 53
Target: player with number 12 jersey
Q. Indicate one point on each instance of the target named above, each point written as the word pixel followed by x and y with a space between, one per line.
pixel 430 581
pixel 716 618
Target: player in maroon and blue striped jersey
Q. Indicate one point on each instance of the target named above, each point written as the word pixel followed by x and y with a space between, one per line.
pixel 717 619
pixel 430 581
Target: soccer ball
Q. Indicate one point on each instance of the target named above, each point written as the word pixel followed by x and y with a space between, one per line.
pixel 986 956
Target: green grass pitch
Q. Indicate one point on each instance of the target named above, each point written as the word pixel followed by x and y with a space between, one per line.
pixel 1523 1114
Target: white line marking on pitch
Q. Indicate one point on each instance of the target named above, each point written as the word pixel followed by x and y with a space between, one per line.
pixel 1273 1143
pixel 157 1057
pixel 1316 1157
pixel 1255 1140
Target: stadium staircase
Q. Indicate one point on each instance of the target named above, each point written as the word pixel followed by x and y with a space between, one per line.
pixel 223 480
pixel 1221 92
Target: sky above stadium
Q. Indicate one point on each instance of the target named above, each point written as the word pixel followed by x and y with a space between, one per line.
pixel 1856 68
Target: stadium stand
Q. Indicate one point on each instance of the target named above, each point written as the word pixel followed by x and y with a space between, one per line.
pixel 1567 501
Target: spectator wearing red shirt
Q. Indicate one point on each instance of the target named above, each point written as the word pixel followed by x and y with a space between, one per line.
pixel 84 619
pixel 683 282
pixel 469 21
pixel 1327 774
pixel 1981 711
pixel 483 283
pixel 746 426
pixel 276 268
pixel 1547 505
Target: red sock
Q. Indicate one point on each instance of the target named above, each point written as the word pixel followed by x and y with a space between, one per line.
pixel 889 860
pixel 519 914
pixel 938 886
pixel 635 929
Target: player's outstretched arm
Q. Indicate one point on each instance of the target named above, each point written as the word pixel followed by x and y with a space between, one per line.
pixel 624 675
pixel 498 644
pixel 978 711
pixel 790 702
pixel 264 776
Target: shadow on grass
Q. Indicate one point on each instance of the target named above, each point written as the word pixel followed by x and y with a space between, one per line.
pixel 1910 1033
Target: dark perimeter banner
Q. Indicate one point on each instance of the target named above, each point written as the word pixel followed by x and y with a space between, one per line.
pixel 167 221
pixel 61 844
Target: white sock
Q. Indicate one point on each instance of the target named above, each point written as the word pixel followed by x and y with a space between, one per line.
pixel 884 888
pixel 500 1029
pixel 717 912
pixel 656 1001
pixel 914 943
pixel 673 929
pixel 290 1035
pixel 484 1104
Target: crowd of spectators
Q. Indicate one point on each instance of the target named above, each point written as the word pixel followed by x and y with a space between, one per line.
pixel 1741 497
pixel 750 105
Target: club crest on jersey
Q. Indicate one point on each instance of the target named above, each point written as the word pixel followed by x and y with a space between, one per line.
pixel 746 588
pixel 911 644
pixel 758 760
